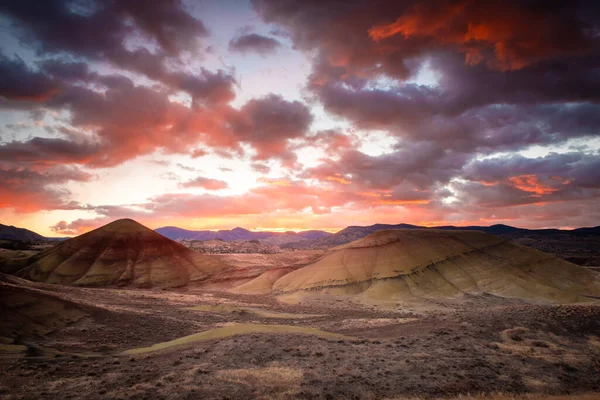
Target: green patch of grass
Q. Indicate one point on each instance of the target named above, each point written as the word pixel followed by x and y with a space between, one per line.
pixel 237 329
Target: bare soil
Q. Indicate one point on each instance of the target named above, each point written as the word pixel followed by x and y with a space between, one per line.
pixel 331 348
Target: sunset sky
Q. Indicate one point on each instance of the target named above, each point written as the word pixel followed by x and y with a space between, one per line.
pixel 293 115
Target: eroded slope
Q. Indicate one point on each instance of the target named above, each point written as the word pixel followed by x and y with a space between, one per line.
pixel 121 253
pixel 404 264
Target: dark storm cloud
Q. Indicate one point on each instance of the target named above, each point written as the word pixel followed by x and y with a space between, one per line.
pixel 21 83
pixel 460 91
pixel 48 151
pixel 572 169
pixel 269 122
pixel 506 35
pixel 207 87
pixel 253 42
pixel 504 76
pixel 562 65
pixel 99 30
pixel 422 164
pixel 359 35
pixel 69 71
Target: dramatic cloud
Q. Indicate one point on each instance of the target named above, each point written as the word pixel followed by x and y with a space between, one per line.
pixel 422 164
pixel 126 121
pixel 275 195
pixel 520 75
pixel 107 22
pixel 516 180
pixel 48 151
pixel 253 42
pixel 374 37
pixel 508 35
pixel 431 111
pixel 29 190
pixel 19 82
pixel 267 123
pixel 103 27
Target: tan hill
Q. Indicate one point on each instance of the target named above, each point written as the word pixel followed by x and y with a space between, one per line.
pixel 122 253
pixel 264 282
pixel 580 246
pixel 408 264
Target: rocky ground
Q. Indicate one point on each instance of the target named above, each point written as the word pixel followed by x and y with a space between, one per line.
pixel 581 250
pixel 218 246
pixel 258 347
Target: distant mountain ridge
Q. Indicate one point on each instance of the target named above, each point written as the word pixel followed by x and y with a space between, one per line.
pixel 316 238
pixel 9 232
pixel 175 233
pixel 352 233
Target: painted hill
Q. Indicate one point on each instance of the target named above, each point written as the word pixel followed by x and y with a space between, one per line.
pixel 122 253
pixel 428 263
pixel 9 232
pixel 263 283
pixel 241 234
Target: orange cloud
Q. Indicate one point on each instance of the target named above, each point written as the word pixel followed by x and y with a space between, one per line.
pixel 339 178
pixel 275 181
pixel 531 183
pixel 391 202
pixel 419 22
pixel 486 183
pixel 508 36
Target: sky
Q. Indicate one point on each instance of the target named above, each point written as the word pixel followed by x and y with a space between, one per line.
pixel 295 115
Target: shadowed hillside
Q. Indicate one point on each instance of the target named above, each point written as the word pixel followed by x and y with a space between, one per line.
pixel 20 234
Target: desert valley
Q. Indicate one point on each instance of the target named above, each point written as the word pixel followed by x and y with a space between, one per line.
pixel 300 199
pixel 124 312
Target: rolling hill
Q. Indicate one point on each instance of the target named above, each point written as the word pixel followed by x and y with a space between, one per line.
pixel 175 233
pixel 580 246
pixel 427 263
pixel 8 232
pixel 123 253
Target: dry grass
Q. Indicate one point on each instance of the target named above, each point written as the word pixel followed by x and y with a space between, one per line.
pixel 236 329
pixel 226 309
pixel 269 382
